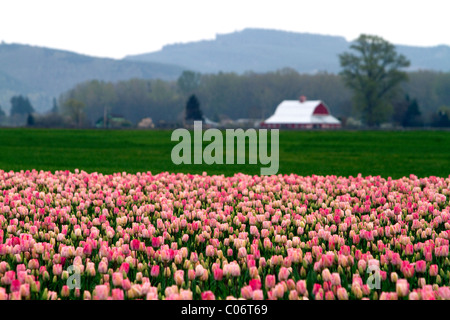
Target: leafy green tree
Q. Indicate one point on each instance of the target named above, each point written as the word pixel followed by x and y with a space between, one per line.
pixel 193 111
pixel 374 74
pixel 188 82
pixel 75 110
pixel 20 105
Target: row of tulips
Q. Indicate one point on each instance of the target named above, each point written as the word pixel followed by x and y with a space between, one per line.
pixel 74 235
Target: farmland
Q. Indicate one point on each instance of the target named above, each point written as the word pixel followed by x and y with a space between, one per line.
pixel 340 153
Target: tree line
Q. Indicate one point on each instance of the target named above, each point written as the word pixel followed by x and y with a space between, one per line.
pixel 372 89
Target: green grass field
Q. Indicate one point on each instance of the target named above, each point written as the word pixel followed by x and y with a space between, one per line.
pixel 341 153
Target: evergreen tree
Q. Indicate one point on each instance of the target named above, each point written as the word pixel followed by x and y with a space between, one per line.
pixel 407 113
pixel 413 115
pixel 55 106
pixel 193 111
pixel 441 119
pixel 30 120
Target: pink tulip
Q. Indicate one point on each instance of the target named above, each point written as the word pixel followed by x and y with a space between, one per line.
pixel 335 279
pixel 179 277
pixel 21 276
pixel 247 292
pixel 124 267
pixel 301 287
pixel 191 274
pixel 126 284
pixel 9 277
pixel 134 244
pixel 293 295
pixel 433 270
pixel 444 293
pixel 102 267
pixel 257 295
pixel 154 271
pixel 407 269
pixel 117 294
pixel 409 249
pixel 3 294
pixel 102 292
pixel 316 288
pixel 185 295
pixel 207 295
pixel 413 296
pixel 15 285
pixel 255 284
pixel 421 266
pixel 155 242
pixel 283 274
pixel 33 264
pixel 117 279
pixel 86 295
pixel 402 287
pixel 342 294
pixel 57 269
pixel 279 290
pixel 330 296
pixel 3 264
pixel 218 274
pixel 270 281
pixel 65 291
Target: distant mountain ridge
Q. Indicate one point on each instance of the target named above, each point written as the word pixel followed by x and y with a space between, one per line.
pixel 263 50
pixel 43 73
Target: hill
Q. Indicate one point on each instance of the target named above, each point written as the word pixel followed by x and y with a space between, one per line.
pixel 43 73
pixel 262 50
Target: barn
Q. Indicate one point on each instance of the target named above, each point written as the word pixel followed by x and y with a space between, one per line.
pixel 302 114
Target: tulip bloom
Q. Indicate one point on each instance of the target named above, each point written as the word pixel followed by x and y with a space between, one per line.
pixel 433 270
pixel 134 245
pixel 421 266
pixel 402 287
pixel 270 281
pixel 257 295
pixel 255 284
pixel 117 279
pixel 155 271
pixel 101 292
pixel 117 294
pixel 342 294
pixel 179 277
pixel 208 295
pixel 218 274
pixel 283 274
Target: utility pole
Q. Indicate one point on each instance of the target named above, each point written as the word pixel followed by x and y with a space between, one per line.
pixel 104 116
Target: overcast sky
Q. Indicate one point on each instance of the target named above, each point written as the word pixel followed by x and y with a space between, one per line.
pixel 113 28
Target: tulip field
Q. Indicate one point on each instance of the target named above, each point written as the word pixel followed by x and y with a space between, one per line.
pixel 177 236
pixel 79 234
